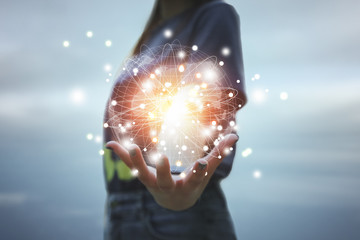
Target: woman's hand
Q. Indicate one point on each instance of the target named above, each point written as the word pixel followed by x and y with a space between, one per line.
pixel 174 192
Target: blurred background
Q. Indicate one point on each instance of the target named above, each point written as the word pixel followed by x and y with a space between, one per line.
pixel 297 170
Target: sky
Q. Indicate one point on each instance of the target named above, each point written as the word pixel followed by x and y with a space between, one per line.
pixel 306 148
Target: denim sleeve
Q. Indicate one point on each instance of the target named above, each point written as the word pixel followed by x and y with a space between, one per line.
pixel 216 28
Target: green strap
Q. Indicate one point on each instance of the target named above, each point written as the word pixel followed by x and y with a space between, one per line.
pixel 123 171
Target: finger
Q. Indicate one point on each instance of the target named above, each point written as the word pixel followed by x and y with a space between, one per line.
pixel 220 151
pixel 196 175
pixel 121 152
pixel 163 174
pixel 144 175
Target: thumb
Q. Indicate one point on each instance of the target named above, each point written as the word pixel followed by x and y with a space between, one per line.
pixel 220 151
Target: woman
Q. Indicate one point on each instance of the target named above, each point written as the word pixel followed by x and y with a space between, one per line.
pixel 160 206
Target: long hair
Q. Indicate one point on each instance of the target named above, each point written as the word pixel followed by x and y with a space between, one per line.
pixel 153 22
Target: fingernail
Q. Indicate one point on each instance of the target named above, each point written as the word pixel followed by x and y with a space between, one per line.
pixel 202 165
pixel 132 152
pixel 237 138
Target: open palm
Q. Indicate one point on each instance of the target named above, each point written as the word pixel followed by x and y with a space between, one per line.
pixel 173 191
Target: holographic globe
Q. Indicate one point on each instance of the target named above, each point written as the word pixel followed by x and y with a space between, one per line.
pixel 172 100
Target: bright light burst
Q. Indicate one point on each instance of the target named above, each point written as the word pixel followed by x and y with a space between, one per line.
pixel 168 33
pixel 255 77
pixel 108 43
pixel 98 139
pixel 257 174
pixel 135 172
pixel 284 96
pixel 77 96
pixel 66 44
pixel 181 54
pixel 225 51
pixel 258 95
pixel 89 34
pixel 246 152
pixel 180 106
pixel 107 67
pixel 89 136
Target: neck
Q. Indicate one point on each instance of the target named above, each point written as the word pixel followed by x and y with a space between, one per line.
pixel 170 8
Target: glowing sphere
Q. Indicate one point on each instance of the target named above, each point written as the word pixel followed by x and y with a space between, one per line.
pixel 89 136
pixel 98 139
pixel 246 152
pixel 108 43
pixel 89 34
pixel 77 96
pixel 179 102
pixel 168 33
pixel 225 51
pixel 258 96
pixel 107 67
pixel 66 44
pixel 284 96
pixel 257 174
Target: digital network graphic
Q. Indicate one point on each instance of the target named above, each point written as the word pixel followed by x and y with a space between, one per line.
pixel 169 112
pixel 173 100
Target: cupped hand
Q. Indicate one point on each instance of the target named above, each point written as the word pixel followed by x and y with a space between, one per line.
pixel 174 192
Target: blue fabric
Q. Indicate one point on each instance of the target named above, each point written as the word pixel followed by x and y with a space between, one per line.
pixel 135 215
pixel 211 27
